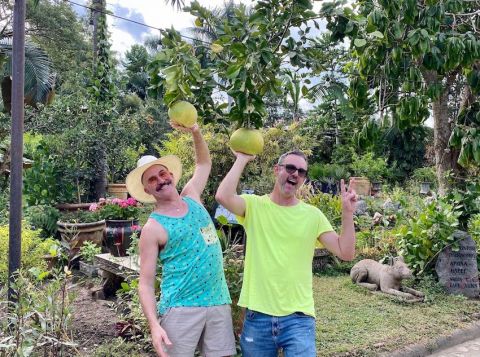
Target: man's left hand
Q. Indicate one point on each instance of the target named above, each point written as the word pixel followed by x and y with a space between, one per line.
pixel 349 197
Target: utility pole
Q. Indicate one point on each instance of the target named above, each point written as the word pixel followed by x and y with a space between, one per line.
pixel 16 164
pixel 98 7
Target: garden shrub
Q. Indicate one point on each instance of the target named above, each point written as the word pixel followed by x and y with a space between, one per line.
pixel 44 218
pixel 466 196
pixel 474 231
pixel 46 182
pixel 34 248
pixel 331 206
pixel 39 322
pixel 4 206
pixel 425 235
pixel 118 348
pixel 367 165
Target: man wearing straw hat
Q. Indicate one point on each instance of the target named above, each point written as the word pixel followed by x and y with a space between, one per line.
pixel 194 306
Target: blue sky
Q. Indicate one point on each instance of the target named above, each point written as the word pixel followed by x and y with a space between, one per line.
pixel 150 12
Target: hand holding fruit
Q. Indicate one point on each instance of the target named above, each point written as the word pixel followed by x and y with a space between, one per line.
pixel 183 113
pixel 243 157
pixel 179 127
pixel 247 141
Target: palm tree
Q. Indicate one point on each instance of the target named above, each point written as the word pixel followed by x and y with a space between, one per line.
pixel 178 3
pixel 39 76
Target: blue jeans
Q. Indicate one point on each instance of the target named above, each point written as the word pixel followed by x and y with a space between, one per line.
pixel 263 335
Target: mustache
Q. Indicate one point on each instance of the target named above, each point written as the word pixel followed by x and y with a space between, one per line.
pixel 160 185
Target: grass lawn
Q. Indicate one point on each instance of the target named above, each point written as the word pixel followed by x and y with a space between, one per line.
pixel 354 322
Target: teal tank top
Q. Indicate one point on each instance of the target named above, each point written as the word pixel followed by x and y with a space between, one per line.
pixel 192 262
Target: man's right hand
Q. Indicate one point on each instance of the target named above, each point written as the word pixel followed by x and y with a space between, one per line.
pixel 159 339
pixel 244 157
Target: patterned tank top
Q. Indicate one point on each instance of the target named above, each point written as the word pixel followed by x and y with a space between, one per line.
pixel 192 264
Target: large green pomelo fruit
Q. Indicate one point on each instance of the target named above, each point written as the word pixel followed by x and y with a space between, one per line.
pixel 247 141
pixel 183 113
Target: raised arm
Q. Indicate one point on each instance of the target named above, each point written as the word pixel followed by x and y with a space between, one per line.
pixel 343 245
pixel 203 164
pixel 227 191
pixel 151 238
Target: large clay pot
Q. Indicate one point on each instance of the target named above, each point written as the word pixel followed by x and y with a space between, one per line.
pixel 74 234
pixel 362 186
pixel 118 190
pixel 118 235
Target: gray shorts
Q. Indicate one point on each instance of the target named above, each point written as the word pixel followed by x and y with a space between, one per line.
pixel 208 328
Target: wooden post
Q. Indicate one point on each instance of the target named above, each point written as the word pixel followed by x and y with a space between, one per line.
pixel 16 165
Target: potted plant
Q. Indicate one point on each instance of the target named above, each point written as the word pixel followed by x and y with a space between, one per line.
pixel 88 251
pixel 77 227
pixel 425 176
pixel 368 169
pixel 121 220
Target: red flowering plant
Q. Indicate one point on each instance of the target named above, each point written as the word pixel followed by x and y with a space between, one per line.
pixel 117 209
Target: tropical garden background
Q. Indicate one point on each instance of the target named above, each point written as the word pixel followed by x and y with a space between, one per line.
pixel 352 84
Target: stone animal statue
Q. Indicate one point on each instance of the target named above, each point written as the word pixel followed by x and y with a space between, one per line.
pixel 387 278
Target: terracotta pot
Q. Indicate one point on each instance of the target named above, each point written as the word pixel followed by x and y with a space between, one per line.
pixel 362 186
pixel 74 234
pixel 118 235
pixel 118 190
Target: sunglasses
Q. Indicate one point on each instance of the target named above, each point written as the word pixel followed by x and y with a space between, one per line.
pixel 292 168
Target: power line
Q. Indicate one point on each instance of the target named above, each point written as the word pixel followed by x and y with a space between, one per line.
pixel 132 21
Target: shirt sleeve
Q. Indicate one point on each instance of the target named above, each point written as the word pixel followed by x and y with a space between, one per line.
pixel 323 224
pixel 249 202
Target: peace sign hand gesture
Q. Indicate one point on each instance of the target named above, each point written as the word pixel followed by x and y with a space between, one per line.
pixel 349 197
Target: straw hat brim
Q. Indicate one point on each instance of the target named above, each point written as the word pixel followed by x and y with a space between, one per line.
pixel 134 179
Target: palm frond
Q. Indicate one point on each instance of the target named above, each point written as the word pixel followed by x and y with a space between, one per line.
pixel 178 3
pixel 39 76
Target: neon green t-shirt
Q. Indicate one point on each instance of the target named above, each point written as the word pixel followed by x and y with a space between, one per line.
pixel 277 277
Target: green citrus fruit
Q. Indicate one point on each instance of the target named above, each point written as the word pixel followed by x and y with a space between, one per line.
pixel 247 141
pixel 183 113
pixel 215 47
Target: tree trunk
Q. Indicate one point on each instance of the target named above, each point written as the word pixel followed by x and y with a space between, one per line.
pixel 445 158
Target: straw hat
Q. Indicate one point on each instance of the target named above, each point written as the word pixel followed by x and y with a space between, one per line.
pixel 134 178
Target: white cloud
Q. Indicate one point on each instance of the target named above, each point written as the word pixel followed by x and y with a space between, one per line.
pixel 156 13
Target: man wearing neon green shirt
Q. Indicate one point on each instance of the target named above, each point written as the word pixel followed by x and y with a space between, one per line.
pixel 282 232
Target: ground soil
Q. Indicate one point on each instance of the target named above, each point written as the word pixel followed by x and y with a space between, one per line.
pixel 93 320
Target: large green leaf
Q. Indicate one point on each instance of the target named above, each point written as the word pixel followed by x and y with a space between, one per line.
pixel 39 76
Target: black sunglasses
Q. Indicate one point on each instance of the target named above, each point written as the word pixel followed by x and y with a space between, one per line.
pixel 292 168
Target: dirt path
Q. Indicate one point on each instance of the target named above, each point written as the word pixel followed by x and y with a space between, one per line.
pixel 93 321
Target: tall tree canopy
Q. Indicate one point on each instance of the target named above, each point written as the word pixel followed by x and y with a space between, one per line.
pixel 409 55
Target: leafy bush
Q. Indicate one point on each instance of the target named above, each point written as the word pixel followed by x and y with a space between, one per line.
pixel 321 171
pixel 474 230
pixel 43 217
pixel 39 322
pixel 424 174
pixel 4 206
pixel 45 183
pixel 427 234
pixel 88 251
pixel 34 248
pixel 331 206
pixel 79 216
pixel 466 196
pixel 368 166
pixel 118 348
